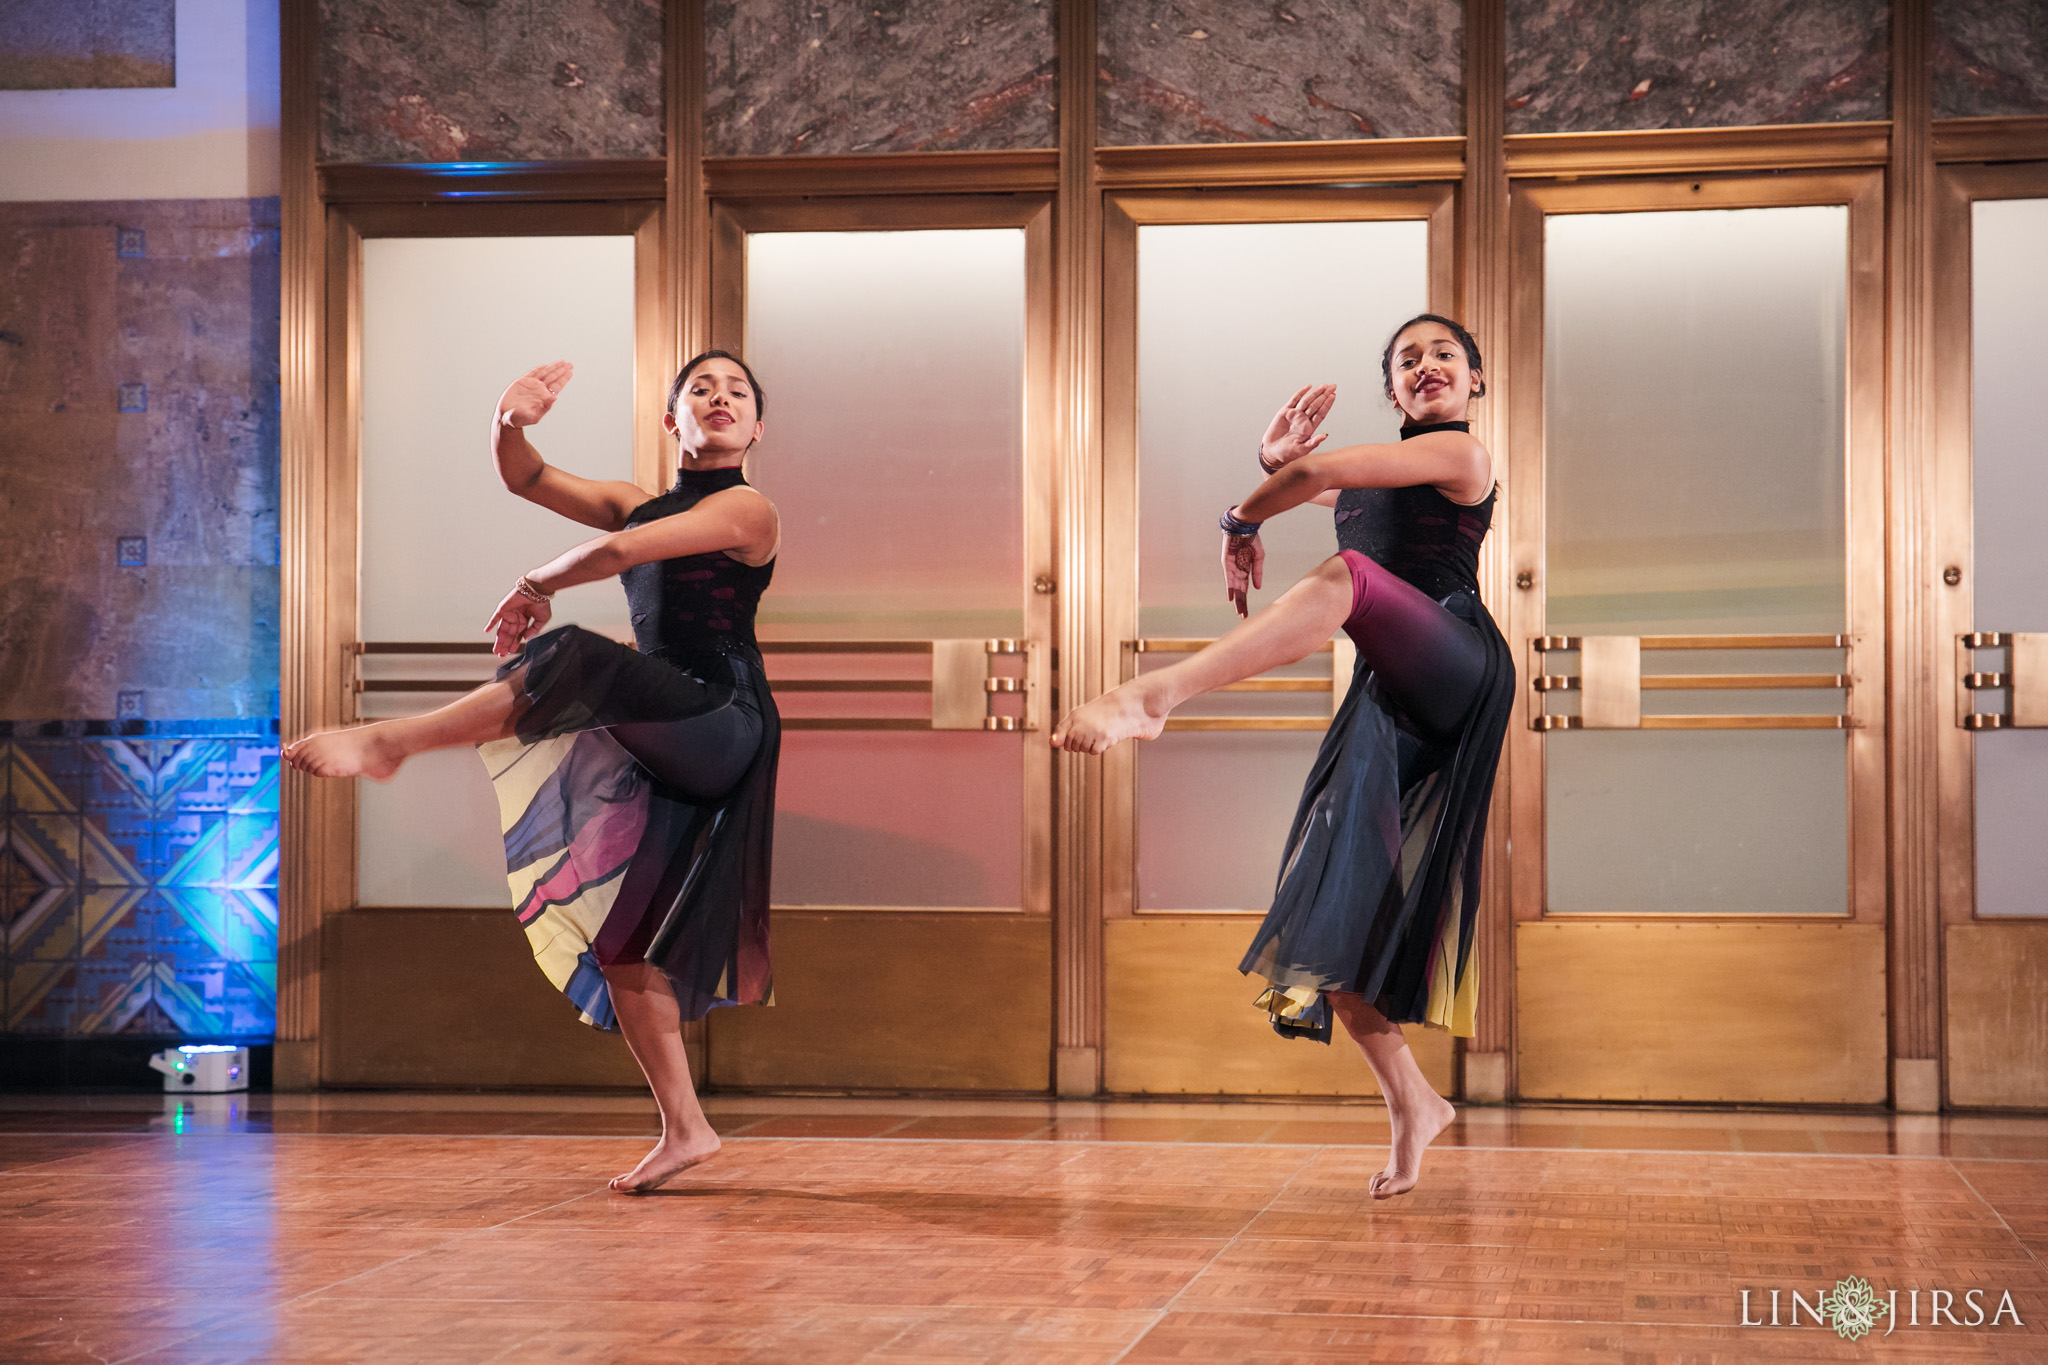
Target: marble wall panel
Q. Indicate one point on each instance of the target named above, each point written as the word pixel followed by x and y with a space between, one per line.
pixel 1175 71
pixel 1990 58
pixel 139 392
pixel 88 45
pixel 827 76
pixel 1591 65
pixel 490 80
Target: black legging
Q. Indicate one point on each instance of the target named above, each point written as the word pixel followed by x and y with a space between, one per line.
pixel 1429 662
pixel 703 758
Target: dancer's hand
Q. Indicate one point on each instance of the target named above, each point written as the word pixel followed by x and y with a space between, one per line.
pixel 533 393
pixel 1292 432
pixel 1244 567
pixel 518 619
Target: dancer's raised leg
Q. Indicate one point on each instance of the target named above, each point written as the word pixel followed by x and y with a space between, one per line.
pixel 653 1025
pixel 377 749
pixel 1295 626
pixel 1418 1113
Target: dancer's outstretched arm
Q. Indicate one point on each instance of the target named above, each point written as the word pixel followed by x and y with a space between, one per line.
pixel 603 503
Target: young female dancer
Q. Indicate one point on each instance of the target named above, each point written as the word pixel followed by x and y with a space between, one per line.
pixel 637 789
pixel 1372 919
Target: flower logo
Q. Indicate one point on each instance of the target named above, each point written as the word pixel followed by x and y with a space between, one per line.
pixel 1853 1308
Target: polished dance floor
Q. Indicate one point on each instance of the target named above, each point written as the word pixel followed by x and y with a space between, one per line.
pixel 476 1228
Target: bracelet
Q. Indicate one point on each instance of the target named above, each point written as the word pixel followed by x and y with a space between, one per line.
pixel 1275 467
pixel 525 589
pixel 1233 527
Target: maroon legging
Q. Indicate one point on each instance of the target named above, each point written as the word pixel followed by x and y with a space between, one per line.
pixel 1429 660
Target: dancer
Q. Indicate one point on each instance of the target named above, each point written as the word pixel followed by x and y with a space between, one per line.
pixel 637 789
pixel 1372 919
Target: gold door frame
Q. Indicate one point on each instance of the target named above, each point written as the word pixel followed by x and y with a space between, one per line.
pixel 993 965
pixel 1172 1020
pixel 731 223
pixel 1994 1043
pixel 1842 958
pixel 485 1019
pixel 1123 215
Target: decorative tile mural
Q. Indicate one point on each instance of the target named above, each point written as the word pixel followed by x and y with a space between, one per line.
pixel 138 879
pixel 1592 65
pixel 491 80
pixel 1298 70
pixel 804 77
pixel 1990 58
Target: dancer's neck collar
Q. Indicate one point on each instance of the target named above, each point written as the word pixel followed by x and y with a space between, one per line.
pixel 1424 428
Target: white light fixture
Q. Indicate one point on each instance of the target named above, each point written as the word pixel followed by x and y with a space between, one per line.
pixel 203 1068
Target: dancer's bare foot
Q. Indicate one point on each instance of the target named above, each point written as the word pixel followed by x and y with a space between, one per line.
pixel 1133 711
pixel 1414 1129
pixel 361 751
pixel 669 1159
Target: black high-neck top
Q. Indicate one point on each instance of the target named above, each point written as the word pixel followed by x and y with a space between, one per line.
pixel 1416 533
pixel 694 609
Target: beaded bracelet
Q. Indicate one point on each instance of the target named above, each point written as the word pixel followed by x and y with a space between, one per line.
pixel 529 592
pixel 1233 527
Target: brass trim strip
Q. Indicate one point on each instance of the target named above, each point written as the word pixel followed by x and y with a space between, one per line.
pixel 543 181
pixel 846 646
pixel 1652 151
pixel 1203 724
pixel 1746 723
pixel 2021 138
pixel 1688 682
pixel 882 173
pixel 1279 685
pixel 1545 643
pixel 1701 682
pixel 1699 723
pixel 1167 644
pixel 855 723
pixel 1280 163
pixel 1747 641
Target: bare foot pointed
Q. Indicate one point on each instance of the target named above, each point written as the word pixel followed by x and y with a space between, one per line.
pixel 362 751
pixel 1127 712
pixel 669 1159
pixel 1413 1132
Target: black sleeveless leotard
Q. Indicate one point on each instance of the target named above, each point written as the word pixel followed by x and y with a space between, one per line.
pixel 638 797
pixel 1380 881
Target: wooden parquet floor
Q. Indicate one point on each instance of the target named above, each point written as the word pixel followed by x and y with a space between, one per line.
pixel 476 1228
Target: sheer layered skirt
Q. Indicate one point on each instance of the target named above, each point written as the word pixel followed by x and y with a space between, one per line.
pixel 637 801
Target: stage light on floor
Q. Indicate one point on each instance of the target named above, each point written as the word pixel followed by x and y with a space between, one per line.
pixel 203 1068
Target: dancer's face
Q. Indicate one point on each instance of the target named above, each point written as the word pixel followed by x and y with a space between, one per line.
pixel 1432 380
pixel 715 413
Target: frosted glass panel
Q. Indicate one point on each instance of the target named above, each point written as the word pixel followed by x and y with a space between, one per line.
pixel 1694 391
pixel 894 368
pixel 1232 319
pixel 893 364
pixel 1213 816
pixel 1697 822
pixel 899 819
pixel 2009 467
pixel 442 540
pixel 1694 386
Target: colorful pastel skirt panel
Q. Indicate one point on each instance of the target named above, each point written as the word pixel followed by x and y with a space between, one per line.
pixel 606 863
